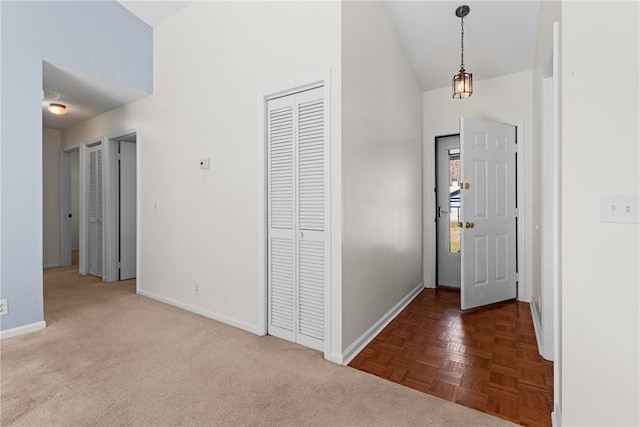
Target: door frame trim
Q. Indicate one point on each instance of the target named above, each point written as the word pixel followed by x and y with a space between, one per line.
pixel 298 85
pixel 521 263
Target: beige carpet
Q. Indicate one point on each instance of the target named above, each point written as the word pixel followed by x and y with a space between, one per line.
pixel 110 357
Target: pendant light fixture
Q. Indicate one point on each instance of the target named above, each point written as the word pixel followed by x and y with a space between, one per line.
pixel 462 81
pixel 57 108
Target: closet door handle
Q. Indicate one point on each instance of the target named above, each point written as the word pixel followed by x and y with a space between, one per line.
pixel 300 234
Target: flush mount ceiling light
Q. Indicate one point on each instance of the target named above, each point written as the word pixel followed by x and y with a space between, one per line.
pixel 462 81
pixel 57 108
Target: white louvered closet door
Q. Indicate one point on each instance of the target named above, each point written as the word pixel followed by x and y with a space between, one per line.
pixel 296 217
pixel 95 210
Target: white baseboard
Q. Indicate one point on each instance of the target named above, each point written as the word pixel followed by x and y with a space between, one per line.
pixel 335 358
pixel 201 311
pixel 525 298
pixel 537 326
pixel 21 330
pixel 364 339
pixel 46 266
pixel 556 417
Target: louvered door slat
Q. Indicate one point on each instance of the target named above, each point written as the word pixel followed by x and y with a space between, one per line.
pixel 310 204
pixel 281 168
pixel 281 202
pixel 281 280
pixel 311 164
pixel 311 289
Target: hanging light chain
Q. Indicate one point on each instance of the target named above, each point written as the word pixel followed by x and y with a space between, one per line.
pixel 462 42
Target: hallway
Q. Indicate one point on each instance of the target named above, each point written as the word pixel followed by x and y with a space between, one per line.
pixel 486 359
pixel 110 357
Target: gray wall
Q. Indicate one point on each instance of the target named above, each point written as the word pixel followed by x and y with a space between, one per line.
pixel 97 38
pixel 381 170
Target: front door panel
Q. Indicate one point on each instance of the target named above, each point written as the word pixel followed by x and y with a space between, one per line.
pixel 489 212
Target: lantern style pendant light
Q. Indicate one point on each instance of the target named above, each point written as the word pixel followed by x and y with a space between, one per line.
pixel 462 81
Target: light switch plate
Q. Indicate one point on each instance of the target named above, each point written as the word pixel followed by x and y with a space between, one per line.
pixel 620 208
pixel 204 164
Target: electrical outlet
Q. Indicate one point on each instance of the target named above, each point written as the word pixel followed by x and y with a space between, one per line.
pixel 4 308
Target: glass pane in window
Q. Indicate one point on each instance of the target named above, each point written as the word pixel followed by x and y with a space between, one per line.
pixel 454 200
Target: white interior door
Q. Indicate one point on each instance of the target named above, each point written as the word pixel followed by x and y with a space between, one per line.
pixel 127 214
pixel 448 210
pixel 95 235
pixel 489 212
pixel 297 274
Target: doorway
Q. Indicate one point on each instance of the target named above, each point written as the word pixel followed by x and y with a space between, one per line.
pixel 121 211
pixel 448 225
pixel 70 203
pixel 95 208
pixel 296 250
pixel 477 212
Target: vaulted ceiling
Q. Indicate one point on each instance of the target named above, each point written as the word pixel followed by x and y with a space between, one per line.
pixel 499 39
pixel 153 12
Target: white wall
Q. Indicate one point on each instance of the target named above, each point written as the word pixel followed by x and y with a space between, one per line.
pixel 547 252
pixel 75 200
pixel 211 61
pixel 51 142
pixel 381 170
pixel 504 99
pixel 600 156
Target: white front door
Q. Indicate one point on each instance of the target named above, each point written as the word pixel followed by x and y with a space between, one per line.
pixel 127 214
pixel 297 270
pixel 489 212
pixel 448 210
pixel 95 210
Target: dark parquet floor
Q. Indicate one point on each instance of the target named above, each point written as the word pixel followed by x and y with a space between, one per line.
pixel 486 358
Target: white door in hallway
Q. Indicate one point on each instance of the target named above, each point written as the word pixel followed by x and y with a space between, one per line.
pixel 95 235
pixel 296 138
pixel 127 214
pixel 489 212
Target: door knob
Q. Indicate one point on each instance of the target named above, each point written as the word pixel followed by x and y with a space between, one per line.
pixel 469 225
pixel 459 225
